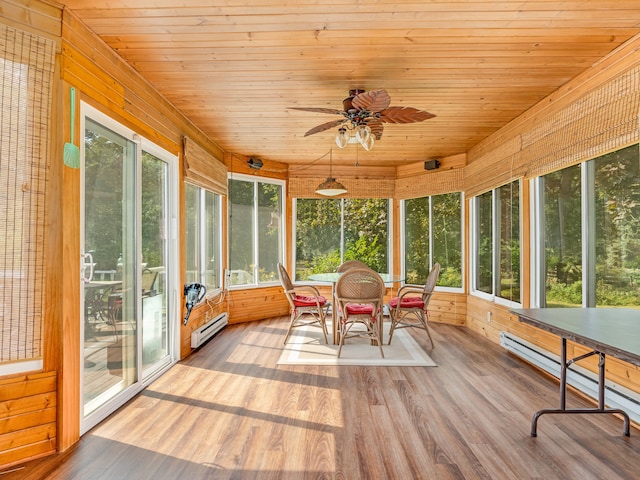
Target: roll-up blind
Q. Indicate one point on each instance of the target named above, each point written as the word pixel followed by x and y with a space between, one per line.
pixel 203 169
pixel 26 73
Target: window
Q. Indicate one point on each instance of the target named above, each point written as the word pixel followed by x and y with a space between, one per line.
pixel 590 214
pixel 433 233
pixel 562 226
pixel 256 237
pixel 330 231
pixel 203 237
pixel 496 243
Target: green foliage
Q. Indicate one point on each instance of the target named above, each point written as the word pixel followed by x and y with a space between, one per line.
pixel 563 294
pixel 321 223
pixel 450 277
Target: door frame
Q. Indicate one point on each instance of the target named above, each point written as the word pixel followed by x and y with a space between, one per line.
pixel 173 278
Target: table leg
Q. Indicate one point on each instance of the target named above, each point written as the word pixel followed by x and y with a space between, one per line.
pixel 334 315
pixel 564 364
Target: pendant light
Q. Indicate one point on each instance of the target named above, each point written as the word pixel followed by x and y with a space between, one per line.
pixel 330 187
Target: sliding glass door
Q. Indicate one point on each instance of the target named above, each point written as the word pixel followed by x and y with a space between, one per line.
pixel 127 264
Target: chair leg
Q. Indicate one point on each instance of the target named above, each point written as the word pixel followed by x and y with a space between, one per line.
pixel 374 329
pixel 322 319
pixel 424 318
pixel 343 333
pixel 294 317
pixel 392 316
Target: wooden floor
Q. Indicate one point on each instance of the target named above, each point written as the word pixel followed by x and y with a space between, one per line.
pixel 229 412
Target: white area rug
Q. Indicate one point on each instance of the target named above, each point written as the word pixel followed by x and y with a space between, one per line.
pixel 306 347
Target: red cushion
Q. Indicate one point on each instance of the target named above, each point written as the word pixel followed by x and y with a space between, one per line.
pixel 407 302
pixel 308 301
pixel 359 309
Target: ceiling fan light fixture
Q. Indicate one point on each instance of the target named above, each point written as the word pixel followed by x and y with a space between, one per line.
pixel 342 137
pixel 363 133
pixel 360 108
pixel 368 145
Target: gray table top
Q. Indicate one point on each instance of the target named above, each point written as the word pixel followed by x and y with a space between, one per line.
pixel 613 331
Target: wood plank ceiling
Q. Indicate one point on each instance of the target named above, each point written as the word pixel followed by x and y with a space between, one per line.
pixel 234 67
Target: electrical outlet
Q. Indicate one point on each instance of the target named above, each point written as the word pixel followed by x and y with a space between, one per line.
pixel 489 315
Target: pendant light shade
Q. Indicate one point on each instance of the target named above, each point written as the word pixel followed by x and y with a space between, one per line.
pixel 331 187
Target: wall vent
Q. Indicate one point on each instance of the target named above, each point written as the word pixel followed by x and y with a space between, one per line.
pixel 616 396
pixel 208 330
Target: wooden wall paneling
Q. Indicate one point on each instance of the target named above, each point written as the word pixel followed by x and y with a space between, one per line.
pixel 35 17
pixel 27 417
pixel 270 169
pixel 52 327
pixel 257 304
pixel 69 375
pixel 417 169
pixel 450 308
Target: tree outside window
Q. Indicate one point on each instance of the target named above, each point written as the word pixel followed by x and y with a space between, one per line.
pixel 433 233
pixel 331 231
pixel 496 243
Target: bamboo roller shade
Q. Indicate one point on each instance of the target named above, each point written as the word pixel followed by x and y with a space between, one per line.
pixel 26 77
pixel 356 188
pixel 604 120
pixel 203 169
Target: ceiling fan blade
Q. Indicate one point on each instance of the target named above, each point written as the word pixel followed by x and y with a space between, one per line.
pixel 332 111
pixel 373 101
pixel 376 127
pixel 325 126
pixel 404 115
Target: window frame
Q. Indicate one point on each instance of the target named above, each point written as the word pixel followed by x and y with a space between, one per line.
pixel 403 250
pixel 254 179
pixel 390 236
pixel 495 246
pixel 588 229
pixel 201 222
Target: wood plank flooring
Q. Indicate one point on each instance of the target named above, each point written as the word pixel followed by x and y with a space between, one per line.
pixel 229 412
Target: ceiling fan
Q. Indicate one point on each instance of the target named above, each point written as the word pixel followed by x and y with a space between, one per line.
pixel 364 113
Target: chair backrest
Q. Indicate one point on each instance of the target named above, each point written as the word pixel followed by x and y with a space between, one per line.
pixel 430 284
pixel 285 280
pixel 360 285
pixel 349 264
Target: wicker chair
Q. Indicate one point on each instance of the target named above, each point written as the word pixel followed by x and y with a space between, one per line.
pixel 360 300
pixel 307 305
pixel 410 307
pixel 351 264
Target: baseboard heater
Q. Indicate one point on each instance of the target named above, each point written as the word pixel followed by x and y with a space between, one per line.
pixel 616 396
pixel 208 330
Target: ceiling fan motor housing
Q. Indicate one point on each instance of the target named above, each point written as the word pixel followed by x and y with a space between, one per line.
pixel 347 106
